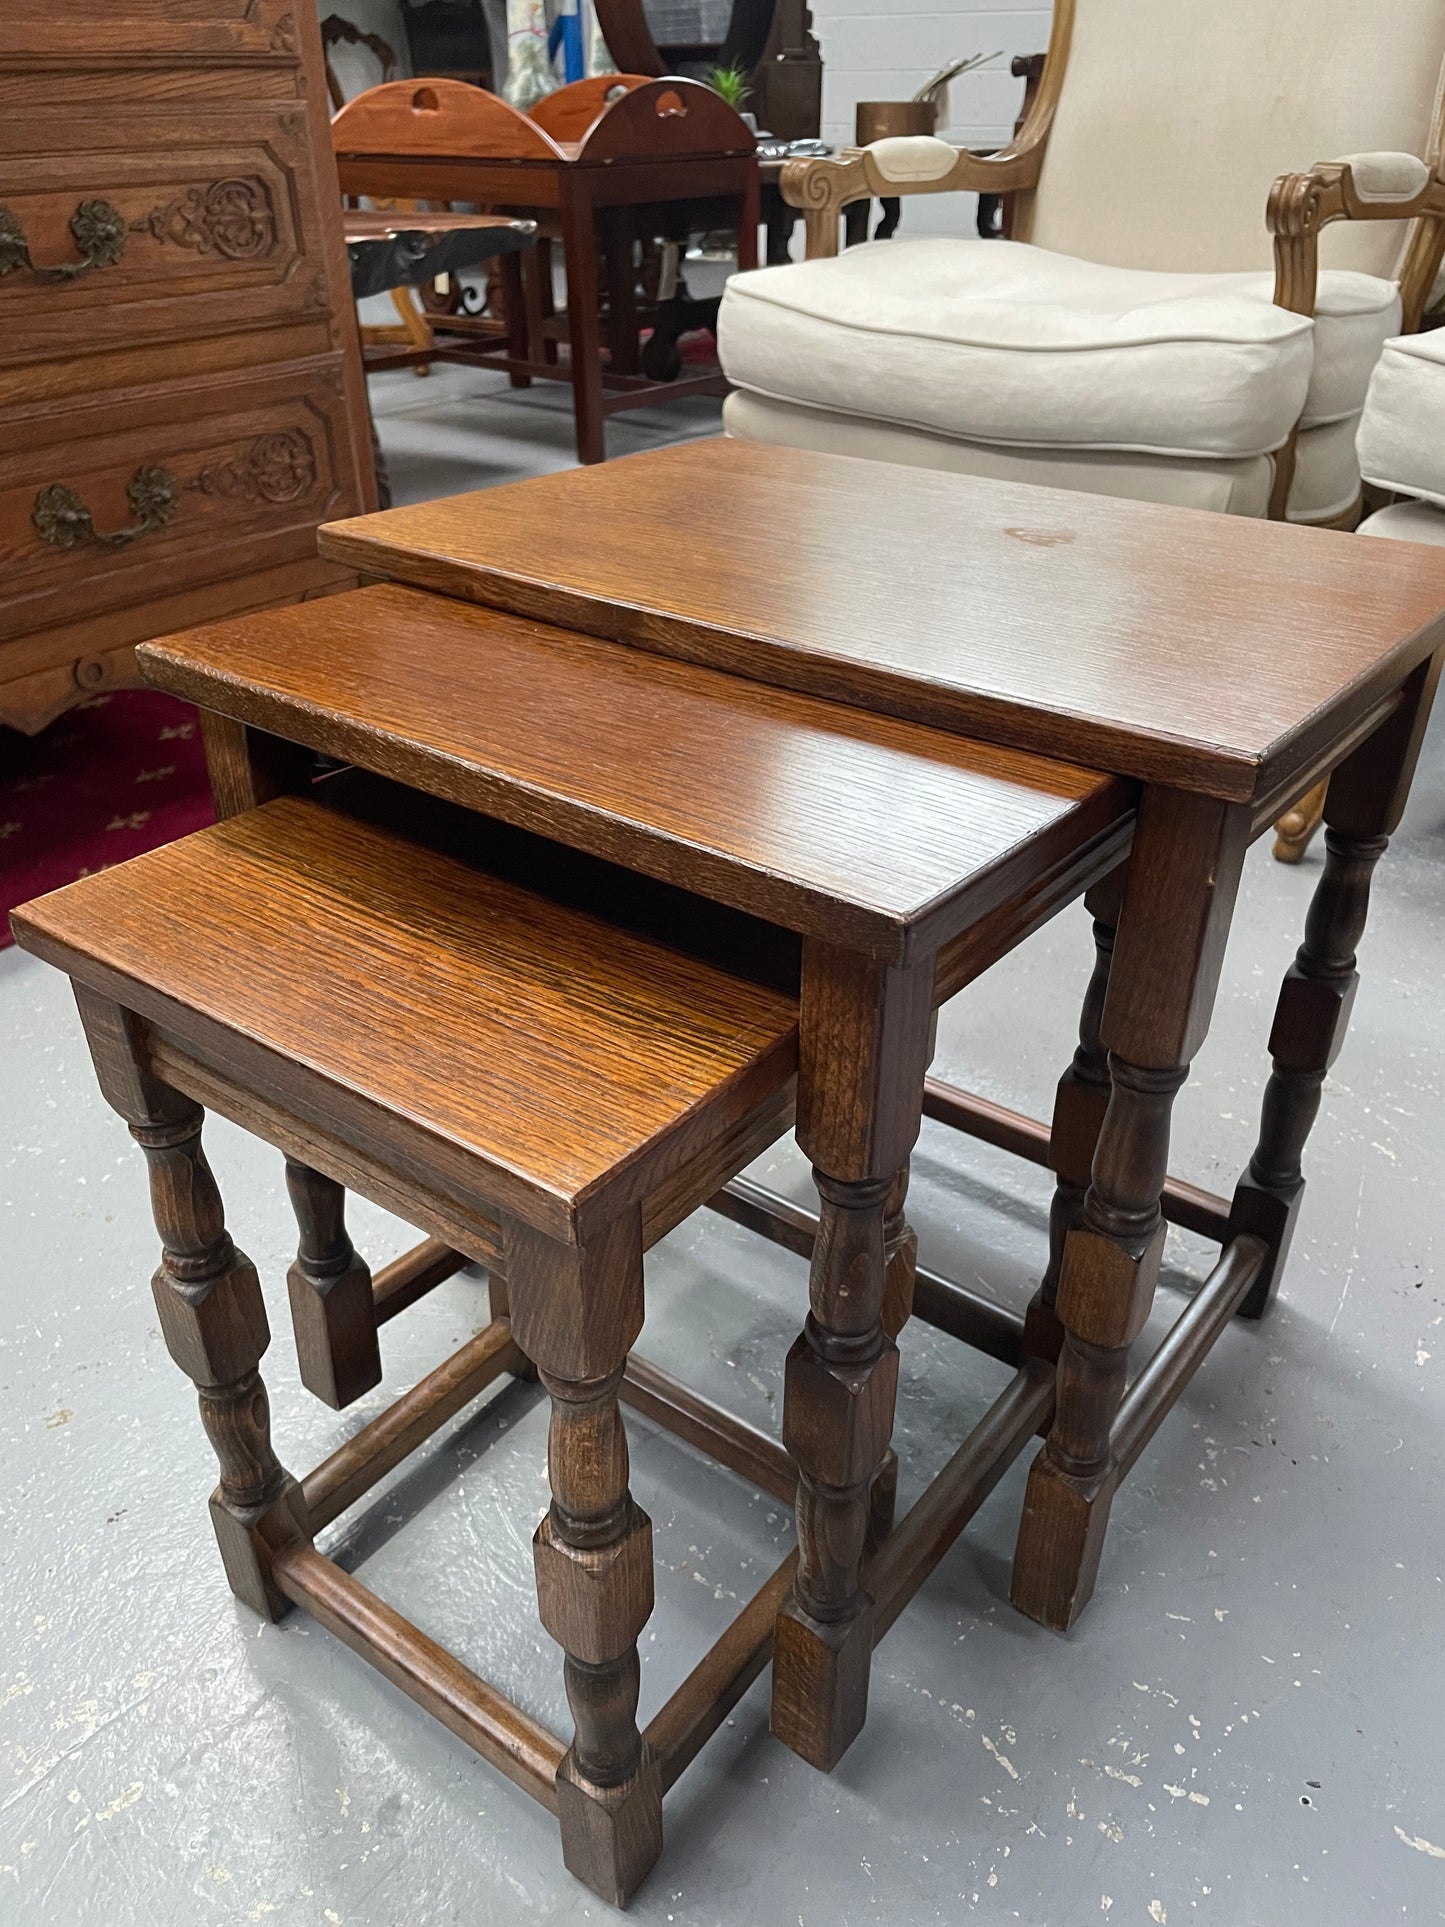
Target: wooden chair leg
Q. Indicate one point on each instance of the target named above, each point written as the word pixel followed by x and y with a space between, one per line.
pixel 415 327
pixel 333 1311
pixel 212 1315
pixel 1295 830
pixel 619 240
pixel 575 1312
pixel 537 264
pixel 579 250
pixel 517 317
pixel 1184 873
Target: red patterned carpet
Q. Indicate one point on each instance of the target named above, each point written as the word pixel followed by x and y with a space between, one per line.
pixel 117 775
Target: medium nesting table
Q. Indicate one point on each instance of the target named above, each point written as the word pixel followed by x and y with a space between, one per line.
pixel 906 860
pixel 1157 645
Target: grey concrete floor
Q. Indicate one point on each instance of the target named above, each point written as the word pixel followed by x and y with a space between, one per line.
pixel 1243 1729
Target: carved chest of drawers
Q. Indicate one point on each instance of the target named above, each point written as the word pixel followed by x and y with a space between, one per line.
pixel 181 396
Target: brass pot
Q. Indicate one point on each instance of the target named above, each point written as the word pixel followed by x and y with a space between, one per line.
pixel 882 119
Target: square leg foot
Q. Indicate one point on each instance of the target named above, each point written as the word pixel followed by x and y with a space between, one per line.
pixel 247 1541
pixel 820 1683
pixel 337 1352
pixel 1258 1301
pixel 611 1836
pixel 1061 1536
pixel 1271 1215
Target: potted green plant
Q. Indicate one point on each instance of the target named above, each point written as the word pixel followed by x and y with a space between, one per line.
pixel 732 85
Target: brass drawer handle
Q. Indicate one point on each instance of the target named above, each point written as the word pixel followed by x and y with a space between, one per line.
pixel 99 230
pixel 63 520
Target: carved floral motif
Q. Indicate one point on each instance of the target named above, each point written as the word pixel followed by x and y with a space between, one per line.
pixel 275 468
pixel 233 218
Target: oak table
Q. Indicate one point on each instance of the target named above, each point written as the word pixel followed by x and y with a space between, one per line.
pixel 905 859
pixel 1224 665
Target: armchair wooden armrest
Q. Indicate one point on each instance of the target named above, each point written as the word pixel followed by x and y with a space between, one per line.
pixel 922 164
pixel 1360 187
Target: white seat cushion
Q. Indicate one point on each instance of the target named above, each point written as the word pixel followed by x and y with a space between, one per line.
pixel 1228 488
pixel 1402 431
pixel 1407 522
pixel 1002 342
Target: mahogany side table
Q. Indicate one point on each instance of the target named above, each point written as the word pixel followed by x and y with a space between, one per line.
pixel 662 142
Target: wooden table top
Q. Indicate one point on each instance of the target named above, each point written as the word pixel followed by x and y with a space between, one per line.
pixel 867 831
pixel 1203 652
pixel 542 1051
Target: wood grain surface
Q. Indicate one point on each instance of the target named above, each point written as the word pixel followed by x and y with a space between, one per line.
pixel 201 323
pixel 871 832
pixel 564 1057
pixel 1207 652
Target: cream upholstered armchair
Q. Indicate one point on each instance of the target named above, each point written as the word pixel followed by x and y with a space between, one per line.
pixel 1401 447
pixel 1161 327
pixel 1402 439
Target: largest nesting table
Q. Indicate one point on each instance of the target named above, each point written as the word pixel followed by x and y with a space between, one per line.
pixel 1151 645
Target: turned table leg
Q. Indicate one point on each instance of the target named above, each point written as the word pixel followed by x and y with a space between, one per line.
pixel 333 1312
pixel 1079 1106
pixel 900 1275
pixel 1309 1030
pixel 1179 899
pixel 575 1312
pixel 1366 797
pixel 867 1036
pixel 211 1312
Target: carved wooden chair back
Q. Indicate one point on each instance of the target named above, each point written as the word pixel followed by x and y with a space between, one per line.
pixel 1166 125
pixel 338 31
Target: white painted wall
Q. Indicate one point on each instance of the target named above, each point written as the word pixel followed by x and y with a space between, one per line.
pixel 886 49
